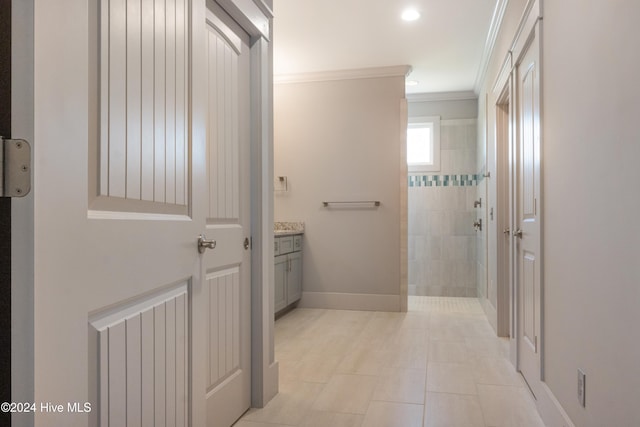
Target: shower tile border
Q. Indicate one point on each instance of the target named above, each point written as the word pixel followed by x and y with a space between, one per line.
pixel 460 180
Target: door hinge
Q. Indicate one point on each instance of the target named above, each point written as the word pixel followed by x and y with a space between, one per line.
pixel 15 167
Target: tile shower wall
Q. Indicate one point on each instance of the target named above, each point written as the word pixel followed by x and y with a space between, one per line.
pixel 481 250
pixel 443 244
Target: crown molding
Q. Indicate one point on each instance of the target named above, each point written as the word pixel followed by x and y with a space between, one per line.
pixel 494 29
pixel 359 73
pixel 442 96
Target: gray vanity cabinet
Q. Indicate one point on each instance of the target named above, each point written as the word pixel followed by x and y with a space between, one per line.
pixel 288 271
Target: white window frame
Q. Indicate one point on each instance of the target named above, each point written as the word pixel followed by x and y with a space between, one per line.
pixel 434 123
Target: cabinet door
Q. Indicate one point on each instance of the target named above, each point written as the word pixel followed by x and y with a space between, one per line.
pixel 294 278
pixel 286 245
pixel 280 289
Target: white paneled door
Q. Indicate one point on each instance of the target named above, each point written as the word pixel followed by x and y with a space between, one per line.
pixel 140 145
pixel 527 234
pixel 226 268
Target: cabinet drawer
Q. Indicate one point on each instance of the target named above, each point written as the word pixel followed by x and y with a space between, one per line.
pixel 286 245
pixel 297 242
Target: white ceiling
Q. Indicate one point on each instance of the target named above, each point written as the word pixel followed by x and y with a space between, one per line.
pixel 444 47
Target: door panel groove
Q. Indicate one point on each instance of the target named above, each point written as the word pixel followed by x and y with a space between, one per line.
pixel 144 102
pixel 142 363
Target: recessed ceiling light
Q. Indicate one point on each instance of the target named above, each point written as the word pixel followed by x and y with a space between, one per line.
pixel 411 83
pixel 410 15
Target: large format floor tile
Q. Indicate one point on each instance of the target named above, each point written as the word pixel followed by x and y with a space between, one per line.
pixel 347 393
pixel 331 419
pixel 439 365
pixel 505 406
pixel 450 378
pixel 384 414
pixel 401 385
pixel 447 410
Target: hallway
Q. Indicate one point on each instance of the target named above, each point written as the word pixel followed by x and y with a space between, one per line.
pixel 440 364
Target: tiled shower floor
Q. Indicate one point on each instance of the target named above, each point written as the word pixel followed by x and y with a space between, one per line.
pixel 440 364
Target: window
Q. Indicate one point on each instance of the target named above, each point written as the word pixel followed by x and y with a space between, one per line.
pixel 423 144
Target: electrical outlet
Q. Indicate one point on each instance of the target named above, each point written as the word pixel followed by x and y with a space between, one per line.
pixel 581 387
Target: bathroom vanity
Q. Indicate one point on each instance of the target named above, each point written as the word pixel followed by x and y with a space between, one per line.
pixel 288 264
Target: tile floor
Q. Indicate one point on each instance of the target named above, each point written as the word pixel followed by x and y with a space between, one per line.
pixel 440 364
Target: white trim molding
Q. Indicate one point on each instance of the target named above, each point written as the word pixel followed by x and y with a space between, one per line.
pixel 264 376
pixel 492 35
pixel 550 410
pixel 359 73
pixel 530 17
pixel 442 96
pixel 254 16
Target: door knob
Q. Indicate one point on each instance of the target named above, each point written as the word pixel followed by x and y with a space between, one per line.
pixel 246 243
pixel 506 231
pixel 518 233
pixel 204 244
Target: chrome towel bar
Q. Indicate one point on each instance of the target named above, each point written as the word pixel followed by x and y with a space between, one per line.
pixel 359 202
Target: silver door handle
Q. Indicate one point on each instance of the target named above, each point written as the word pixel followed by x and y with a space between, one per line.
pixel 518 233
pixel 204 244
pixel 506 231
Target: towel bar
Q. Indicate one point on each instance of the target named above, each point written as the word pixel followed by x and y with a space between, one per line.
pixel 374 202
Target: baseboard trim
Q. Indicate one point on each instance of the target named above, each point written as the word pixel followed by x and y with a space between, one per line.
pixel 345 301
pixel 272 385
pixel 550 410
pixel 490 312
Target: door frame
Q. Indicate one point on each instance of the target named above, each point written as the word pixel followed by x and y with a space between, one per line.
pixel 256 19
pixel 22 214
pixel 504 91
pixel 503 98
pixel 528 33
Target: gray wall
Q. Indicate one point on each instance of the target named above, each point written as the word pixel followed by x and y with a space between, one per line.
pixel 590 143
pixel 340 140
pixel 442 105
pixel 591 149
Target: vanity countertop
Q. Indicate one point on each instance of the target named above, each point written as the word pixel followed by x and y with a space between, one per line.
pixel 288 228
